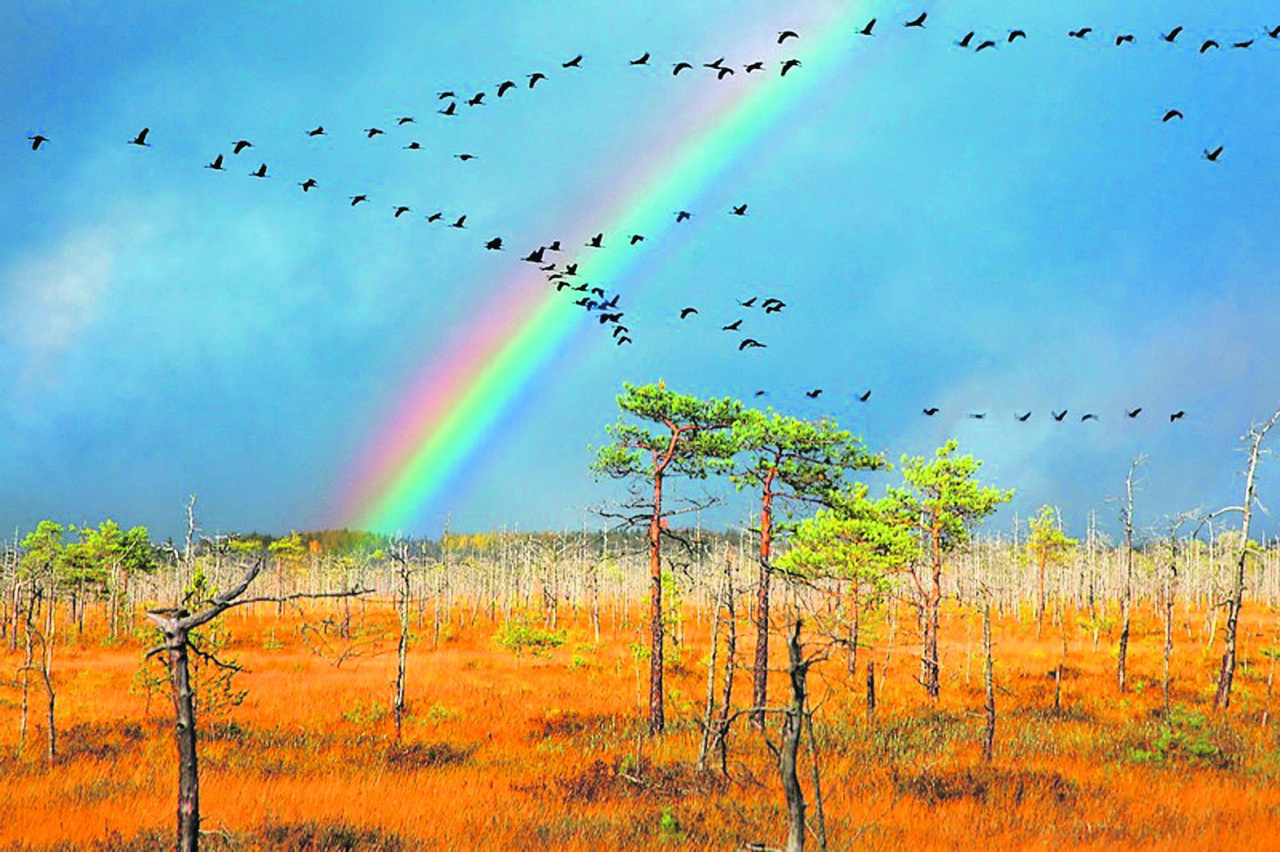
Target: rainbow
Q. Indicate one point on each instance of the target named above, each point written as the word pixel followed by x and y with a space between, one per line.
pixel 452 405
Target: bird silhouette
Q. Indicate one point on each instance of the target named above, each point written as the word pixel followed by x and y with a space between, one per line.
pixel 1172 114
pixel 739 211
pixel 451 109
pixel 535 77
pixel 968 37
pixel 620 329
pixel 714 66
pixel 37 141
pixel 141 138
pixel 733 326
pixel 788 65
pixel 1209 43
pixel 413 146
pixel 461 223
pixel 356 199
pixel 596 242
pixel 400 210
pixel 750 343
pixel 684 312
pixel 986 44
pixel 773 306
pixel 680 66
pixel 1089 416
pixel 864 397
pixel 1242 44
pixel 465 157
pixel 816 392
pixel 317 131
pixel 445 95
pixel 1172 35
pixel 260 172
pixel 1022 418
pixel 371 132
pixel 866 31
pixel 494 244
pixel 548 268
pixel 476 100
pixel 928 412
pixel 504 87
pixel 1274 32
pixel 575 62
pixel 1059 416
pixel 435 217
pixel 1127 38
pixel 917 22
pixel 604 318
pixel 786 34
pixel 749 303
pixel 308 184
pixel 535 256
pixel 1177 415
pixel 1212 156
pixel 405 119
pixel 216 165
pixel 721 73
pixel 623 339
pixel 682 215
pixel 554 245
pixel 640 60
pixel 571 269
pixel 240 145
pixel 1133 414
pixel 760 393
pixel 637 238
pixel 1080 33
pixel 1016 34
pixel 751 67
pixel 977 415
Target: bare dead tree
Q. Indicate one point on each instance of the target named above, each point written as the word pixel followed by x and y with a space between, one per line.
pixel 176 625
pixel 1235 595
pixel 989 682
pixel 793 725
pixel 1126 598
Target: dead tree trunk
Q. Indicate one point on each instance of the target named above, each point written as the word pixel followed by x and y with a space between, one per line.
pixel 792 729
pixel 1126 598
pixel 988 679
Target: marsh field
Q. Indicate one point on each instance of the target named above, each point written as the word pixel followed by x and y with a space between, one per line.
pixel 525 719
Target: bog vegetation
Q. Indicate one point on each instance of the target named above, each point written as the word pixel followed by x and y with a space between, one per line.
pixel 848 672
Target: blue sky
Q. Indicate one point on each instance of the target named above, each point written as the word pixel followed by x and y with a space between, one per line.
pixel 1010 231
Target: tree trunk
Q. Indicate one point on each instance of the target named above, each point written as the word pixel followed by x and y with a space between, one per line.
pixel 185 735
pixel 988 678
pixel 657 722
pixel 760 682
pixel 792 728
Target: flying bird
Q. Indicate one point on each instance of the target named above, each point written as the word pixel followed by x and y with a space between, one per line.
pixel 356 199
pixel 465 157
pixel 724 72
pixel 1177 415
pixel 476 100
pixel 260 172
pixel 575 62
pixel 141 138
pixel 494 244
pixel 1274 32
pixel 504 87
pixel 535 256
pixel 1127 38
pixel 461 223
pixel 1022 418
pixel 750 343
pixel 413 146
pixel 1080 33
pixel 786 34
pixel 1133 414
pixel 554 246
pixel 317 131
pixel 620 329
pixel 773 306
pixel 405 119
pixel 968 37
pixel 749 303
pixel 637 238
pixel 684 312
pixel 918 22
pixel 866 31
pixel 1058 416
pixel 682 215
pixel 1089 416
pixel 986 44
pixel 571 269
pixel 739 211
pixel 1209 43
pixel 733 326
pixel 623 339
pixel 977 415
pixel 451 109
pixel 680 66
pixel 604 318
pixel 788 65
pixel 715 66
pixel 400 210
pixel 1172 114
pixel 435 217
pixel 371 132
pixel 37 141
pixel 753 66
pixel 308 184
pixel 1243 44
pixel 1212 156
pixel 535 77
pixel 1172 35
pixel 1016 34
pixel 596 242
pixel 640 60
pixel 928 412
pixel 760 393
pixel 864 397
pixel 445 95
pixel 813 394
pixel 216 165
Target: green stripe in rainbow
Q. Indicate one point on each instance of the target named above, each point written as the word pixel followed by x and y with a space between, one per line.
pixel 453 405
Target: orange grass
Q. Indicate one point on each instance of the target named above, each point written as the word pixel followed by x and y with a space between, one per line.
pixel 502 752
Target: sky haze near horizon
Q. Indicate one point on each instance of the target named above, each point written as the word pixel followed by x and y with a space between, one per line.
pixel 989 232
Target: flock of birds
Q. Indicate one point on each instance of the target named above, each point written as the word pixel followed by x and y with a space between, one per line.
pixel 596 300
